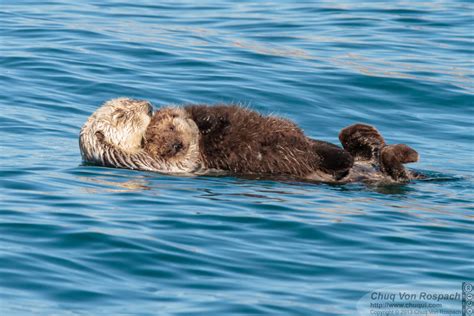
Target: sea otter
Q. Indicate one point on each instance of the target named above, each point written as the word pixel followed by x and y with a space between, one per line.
pixel 113 136
pixel 200 139
pixel 244 142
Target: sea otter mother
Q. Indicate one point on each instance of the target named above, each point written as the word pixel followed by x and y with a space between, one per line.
pixel 114 136
pixel 198 139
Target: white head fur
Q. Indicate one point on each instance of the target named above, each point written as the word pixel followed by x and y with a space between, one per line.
pixel 113 136
pixel 121 122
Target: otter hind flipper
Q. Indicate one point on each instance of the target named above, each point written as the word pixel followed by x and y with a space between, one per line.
pixel 392 158
pixel 363 141
pixel 333 159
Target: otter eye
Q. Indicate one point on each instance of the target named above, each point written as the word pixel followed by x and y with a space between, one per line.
pixel 178 146
pixel 118 114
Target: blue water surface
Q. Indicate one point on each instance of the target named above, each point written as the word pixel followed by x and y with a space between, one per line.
pixel 86 240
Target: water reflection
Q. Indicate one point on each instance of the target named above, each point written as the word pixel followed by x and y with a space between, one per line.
pixel 103 185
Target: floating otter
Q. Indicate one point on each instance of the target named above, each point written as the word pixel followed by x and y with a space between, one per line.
pixel 244 142
pixel 200 139
pixel 113 136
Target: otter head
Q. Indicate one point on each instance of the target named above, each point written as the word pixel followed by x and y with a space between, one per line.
pixel 173 136
pixel 120 122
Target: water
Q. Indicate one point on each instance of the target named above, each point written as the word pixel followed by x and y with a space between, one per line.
pixel 85 240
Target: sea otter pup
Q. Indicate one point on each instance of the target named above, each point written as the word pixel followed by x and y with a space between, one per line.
pixel 244 142
pixel 113 136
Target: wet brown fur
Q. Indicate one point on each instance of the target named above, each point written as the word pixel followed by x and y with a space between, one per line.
pixel 242 141
pixel 172 135
pixel 393 157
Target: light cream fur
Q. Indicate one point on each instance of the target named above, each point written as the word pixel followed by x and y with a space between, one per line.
pixel 113 136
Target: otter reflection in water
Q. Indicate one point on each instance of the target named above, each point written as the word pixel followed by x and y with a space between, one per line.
pixel 201 139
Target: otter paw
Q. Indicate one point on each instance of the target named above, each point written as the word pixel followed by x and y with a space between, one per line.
pixel 393 157
pixel 362 141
